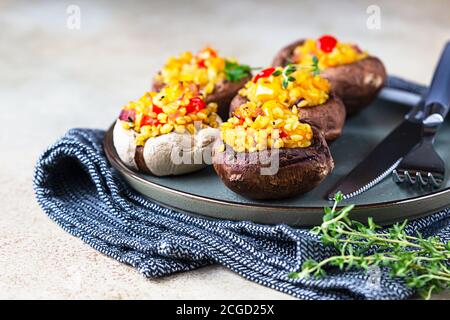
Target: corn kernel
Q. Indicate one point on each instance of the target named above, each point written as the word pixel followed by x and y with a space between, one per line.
pixel 212 106
pixel 146 130
pixel 248 122
pixel 127 125
pixel 261 146
pixel 302 103
pixel 180 129
pixel 212 118
pixel 182 111
pixel 278 144
pixel 190 127
pixel 166 128
pixel 140 140
pixel 294 110
pixel 201 115
pixel 209 88
pixel 162 117
pixel 169 109
pixel 278 112
pixel 181 120
pixel 233 120
pixel 296 137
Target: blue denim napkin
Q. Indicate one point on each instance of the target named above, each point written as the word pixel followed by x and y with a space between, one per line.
pixel 78 189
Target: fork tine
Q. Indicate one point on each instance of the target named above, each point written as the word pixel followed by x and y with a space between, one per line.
pixel 422 166
pixel 436 182
pixel 420 179
pixel 396 177
pixel 402 176
pixel 408 177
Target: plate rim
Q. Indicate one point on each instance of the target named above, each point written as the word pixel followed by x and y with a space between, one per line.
pixel 113 158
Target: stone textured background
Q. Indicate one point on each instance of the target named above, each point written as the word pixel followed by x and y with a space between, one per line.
pixel 53 79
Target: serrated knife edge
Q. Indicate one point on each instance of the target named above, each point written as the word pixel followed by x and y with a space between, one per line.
pixel 370 184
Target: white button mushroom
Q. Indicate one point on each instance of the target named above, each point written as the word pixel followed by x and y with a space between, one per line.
pixel 167 154
pixel 124 142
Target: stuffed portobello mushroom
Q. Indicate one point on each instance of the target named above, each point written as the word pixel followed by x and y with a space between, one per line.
pixel 268 153
pixel 299 88
pixel 167 133
pixel 217 79
pixel 355 76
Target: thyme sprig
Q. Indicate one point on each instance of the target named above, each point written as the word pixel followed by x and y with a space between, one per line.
pixel 315 66
pixel 423 263
pixel 291 68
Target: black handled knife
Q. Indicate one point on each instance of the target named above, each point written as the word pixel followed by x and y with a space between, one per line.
pixel 387 155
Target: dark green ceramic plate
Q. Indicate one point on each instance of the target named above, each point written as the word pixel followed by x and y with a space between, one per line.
pixel 204 194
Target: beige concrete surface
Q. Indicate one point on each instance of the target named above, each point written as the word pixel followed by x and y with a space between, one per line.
pixel 53 78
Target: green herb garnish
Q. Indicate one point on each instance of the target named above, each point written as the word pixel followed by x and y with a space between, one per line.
pixel 286 72
pixel 276 73
pixel 423 263
pixel 235 72
pixel 291 68
pixel 315 66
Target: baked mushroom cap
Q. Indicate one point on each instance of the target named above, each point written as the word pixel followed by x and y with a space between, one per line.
pixel 329 117
pixel 167 154
pixel 299 170
pixel 223 93
pixel 357 83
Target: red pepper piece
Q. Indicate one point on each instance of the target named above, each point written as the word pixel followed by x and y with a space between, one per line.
pixel 127 115
pixel 195 105
pixel 264 74
pixel 283 133
pixel 327 43
pixel 156 109
pixel 201 63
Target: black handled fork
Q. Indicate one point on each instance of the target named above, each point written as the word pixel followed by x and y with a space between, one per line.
pixel 422 166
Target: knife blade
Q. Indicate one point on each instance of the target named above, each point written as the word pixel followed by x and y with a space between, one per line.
pixel 384 158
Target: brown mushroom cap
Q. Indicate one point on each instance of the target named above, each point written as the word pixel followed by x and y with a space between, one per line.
pixel 300 170
pixel 357 83
pixel 223 93
pixel 329 117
